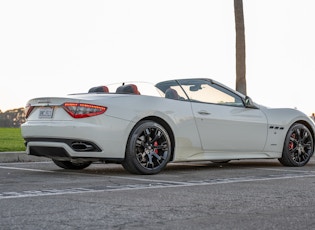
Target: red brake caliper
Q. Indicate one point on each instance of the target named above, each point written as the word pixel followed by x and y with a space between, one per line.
pixel 156 144
pixel 291 145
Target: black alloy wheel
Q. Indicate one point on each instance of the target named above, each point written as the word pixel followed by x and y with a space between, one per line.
pixel 148 148
pixel 298 146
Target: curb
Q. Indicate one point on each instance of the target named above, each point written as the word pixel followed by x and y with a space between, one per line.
pixel 9 157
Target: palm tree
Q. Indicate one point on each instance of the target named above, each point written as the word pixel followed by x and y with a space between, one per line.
pixel 240 47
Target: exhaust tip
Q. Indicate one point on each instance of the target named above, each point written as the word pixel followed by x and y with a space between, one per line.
pixel 83 147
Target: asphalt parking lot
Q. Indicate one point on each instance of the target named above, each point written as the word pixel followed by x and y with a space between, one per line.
pixel 249 194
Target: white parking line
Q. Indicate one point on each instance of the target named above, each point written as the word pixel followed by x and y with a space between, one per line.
pixel 25 169
pixel 148 180
pixel 154 184
pixel 285 170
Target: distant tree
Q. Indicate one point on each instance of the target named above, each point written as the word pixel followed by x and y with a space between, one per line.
pixel 240 47
pixel 12 118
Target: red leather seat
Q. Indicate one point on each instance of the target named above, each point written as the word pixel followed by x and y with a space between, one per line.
pixel 171 94
pixel 99 89
pixel 129 88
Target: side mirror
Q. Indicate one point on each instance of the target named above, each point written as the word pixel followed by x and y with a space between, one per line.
pixel 195 88
pixel 249 103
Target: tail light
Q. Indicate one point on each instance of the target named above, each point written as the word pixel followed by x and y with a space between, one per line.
pixel 82 110
pixel 28 110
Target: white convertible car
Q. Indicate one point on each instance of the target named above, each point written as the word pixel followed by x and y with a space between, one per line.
pixel 144 126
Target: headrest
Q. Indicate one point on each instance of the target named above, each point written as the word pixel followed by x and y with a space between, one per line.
pixel 129 88
pixel 171 94
pixel 99 89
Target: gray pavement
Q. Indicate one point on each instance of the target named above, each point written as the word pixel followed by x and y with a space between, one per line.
pixel 240 195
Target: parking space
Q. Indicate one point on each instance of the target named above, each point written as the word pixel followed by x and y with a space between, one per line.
pixel 201 195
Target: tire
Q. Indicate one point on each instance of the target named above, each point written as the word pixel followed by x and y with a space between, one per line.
pixel 148 149
pixel 72 165
pixel 298 146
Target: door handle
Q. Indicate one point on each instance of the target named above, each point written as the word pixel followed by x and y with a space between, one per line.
pixel 204 112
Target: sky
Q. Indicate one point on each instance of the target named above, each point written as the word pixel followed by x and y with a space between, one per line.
pixel 54 48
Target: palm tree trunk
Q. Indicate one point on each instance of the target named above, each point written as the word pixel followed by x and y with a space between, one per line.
pixel 240 47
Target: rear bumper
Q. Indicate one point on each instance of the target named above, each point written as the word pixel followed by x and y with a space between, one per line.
pixel 74 144
pixel 64 152
pixel 105 139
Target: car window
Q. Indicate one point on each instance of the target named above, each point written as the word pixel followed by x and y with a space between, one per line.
pixel 172 90
pixel 208 92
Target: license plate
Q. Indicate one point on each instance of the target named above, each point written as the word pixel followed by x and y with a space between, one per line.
pixel 46 112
